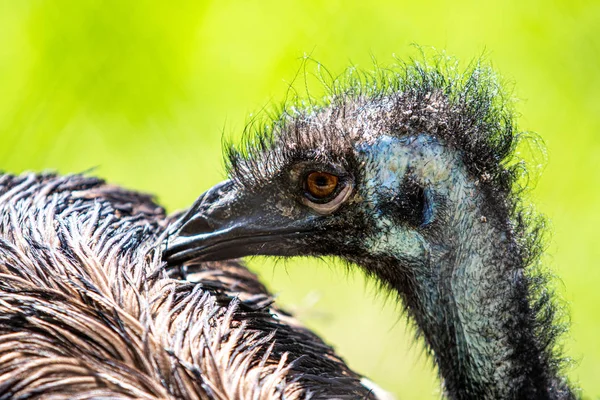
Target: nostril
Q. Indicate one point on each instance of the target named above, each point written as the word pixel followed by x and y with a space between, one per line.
pixel 195 226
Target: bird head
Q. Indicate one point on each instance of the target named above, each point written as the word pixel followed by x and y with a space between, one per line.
pixel 368 176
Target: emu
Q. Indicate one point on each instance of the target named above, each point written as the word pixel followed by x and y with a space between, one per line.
pixel 88 312
pixel 409 173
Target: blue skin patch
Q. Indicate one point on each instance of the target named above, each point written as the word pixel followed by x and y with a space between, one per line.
pixel 389 156
pixel 387 161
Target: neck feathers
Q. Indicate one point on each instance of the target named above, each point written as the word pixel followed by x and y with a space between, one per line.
pixel 486 343
pixel 465 280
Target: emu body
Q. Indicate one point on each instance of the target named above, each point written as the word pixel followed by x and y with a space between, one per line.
pixel 423 197
pixel 86 312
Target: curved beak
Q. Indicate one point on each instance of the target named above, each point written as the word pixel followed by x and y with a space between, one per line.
pixel 226 222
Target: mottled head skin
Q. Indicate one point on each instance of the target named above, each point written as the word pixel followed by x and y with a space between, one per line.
pixel 87 312
pixel 434 214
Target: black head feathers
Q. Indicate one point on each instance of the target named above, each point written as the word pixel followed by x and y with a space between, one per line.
pixel 468 110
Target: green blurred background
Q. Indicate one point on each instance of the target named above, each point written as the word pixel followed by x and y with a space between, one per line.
pixel 143 91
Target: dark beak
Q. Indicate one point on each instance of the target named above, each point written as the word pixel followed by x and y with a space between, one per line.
pixel 226 223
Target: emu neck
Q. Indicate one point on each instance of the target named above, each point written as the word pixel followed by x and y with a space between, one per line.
pixel 461 278
pixel 471 302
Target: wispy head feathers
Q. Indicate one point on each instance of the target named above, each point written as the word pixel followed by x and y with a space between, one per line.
pixel 468 109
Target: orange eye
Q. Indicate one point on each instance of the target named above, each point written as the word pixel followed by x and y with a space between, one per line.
pixel 321 185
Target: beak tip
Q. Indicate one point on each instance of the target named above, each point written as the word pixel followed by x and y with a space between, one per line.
pixel 178 249
pixel 172 249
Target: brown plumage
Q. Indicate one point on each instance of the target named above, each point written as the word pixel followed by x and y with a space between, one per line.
pixel 87 312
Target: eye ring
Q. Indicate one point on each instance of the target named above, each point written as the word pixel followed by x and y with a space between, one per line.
pixel 325 192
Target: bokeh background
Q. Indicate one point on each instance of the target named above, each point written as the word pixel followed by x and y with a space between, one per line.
pixel 143 91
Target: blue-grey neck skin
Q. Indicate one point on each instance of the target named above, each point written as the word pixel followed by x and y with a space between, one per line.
pixel 460 273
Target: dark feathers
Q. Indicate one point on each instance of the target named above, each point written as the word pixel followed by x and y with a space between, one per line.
pixel 469 110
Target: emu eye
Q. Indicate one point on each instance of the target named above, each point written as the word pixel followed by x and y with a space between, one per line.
pixel 320 185
pixel 325 192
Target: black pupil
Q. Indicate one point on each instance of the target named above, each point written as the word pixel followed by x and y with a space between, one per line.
pixel 322 180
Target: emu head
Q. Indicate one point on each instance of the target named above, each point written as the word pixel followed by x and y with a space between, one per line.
pixel 368 177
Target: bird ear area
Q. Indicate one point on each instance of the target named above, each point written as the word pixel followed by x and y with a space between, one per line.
pixel 414 204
